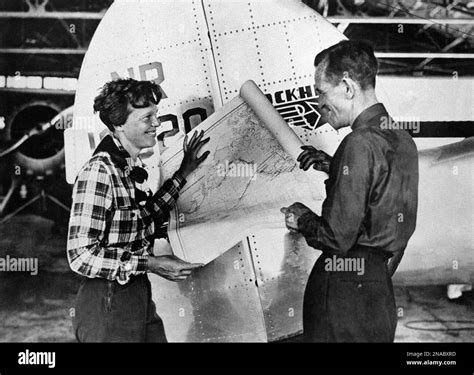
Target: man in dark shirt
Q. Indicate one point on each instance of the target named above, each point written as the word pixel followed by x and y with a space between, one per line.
pixel 370 210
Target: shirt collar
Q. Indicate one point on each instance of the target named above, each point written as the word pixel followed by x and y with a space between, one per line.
pixel 370 116
pixel 131 163
pixel 120 157
pixel 119 145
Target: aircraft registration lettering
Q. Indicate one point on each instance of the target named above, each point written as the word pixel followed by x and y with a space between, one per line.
pixel 144 74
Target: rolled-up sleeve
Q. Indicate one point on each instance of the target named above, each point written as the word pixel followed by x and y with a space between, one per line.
pixel 165 198
pixel 344 209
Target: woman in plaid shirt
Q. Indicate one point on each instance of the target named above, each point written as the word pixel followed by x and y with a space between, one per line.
pixel 114 217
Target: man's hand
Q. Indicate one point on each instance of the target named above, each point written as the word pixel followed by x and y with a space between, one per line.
pixel 314 157
pixel 292 214
pixel 190 160
pixel 171 267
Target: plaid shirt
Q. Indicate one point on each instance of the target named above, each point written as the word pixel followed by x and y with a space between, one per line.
pixel 110 236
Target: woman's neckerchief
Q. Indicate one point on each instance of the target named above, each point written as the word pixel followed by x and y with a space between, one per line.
pixel 137 174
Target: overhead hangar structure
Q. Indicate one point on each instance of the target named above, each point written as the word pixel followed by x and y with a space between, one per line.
pixel 201 53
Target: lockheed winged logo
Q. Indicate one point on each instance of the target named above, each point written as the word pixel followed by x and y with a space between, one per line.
pixel 299 107
pixel 303 113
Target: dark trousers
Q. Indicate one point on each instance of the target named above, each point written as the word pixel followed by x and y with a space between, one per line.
pixel 106 311
pixel 341 306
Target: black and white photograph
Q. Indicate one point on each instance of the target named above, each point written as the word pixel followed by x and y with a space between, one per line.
pixel 287 173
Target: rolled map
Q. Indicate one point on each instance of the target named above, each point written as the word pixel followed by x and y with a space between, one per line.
pixel 272 120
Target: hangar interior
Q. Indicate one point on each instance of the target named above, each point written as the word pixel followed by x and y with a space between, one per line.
pixel 42 47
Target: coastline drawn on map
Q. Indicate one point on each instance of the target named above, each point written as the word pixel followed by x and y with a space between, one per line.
pixel 249 175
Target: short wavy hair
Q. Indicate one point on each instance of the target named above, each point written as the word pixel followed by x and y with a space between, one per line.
pixel 115 98
pixel 354 57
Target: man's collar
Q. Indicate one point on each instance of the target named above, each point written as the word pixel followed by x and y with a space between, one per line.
pixel 368 114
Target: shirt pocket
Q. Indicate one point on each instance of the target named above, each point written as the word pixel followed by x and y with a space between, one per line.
pixel 124 228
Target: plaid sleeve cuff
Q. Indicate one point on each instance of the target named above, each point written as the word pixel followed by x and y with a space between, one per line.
pixel 136 263
pixel 178 181
pixel 142 263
